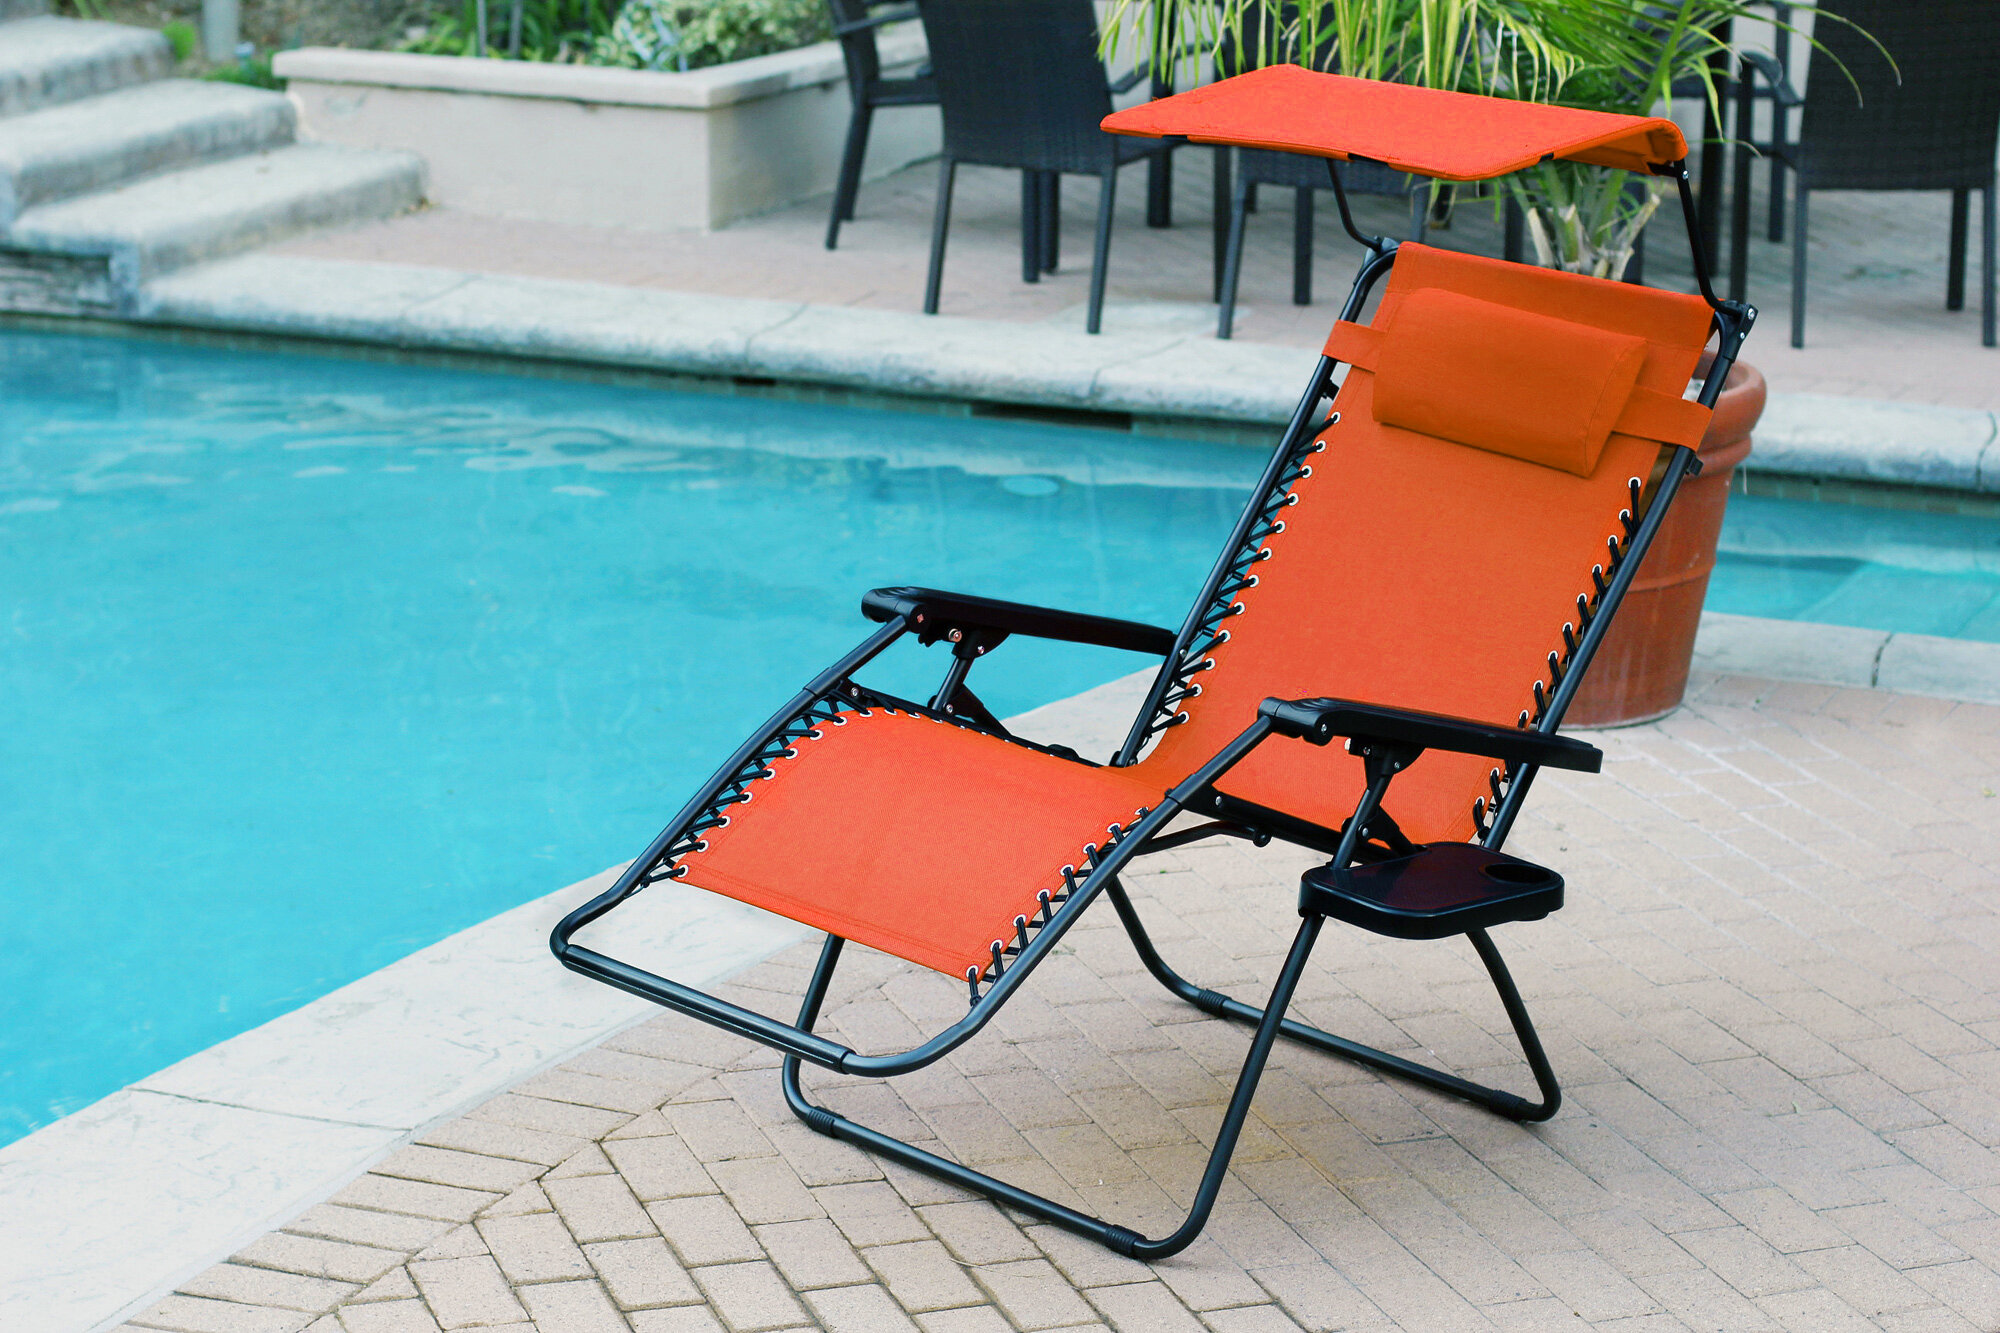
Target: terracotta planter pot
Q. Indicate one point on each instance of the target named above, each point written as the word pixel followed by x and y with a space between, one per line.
pixel 1641 671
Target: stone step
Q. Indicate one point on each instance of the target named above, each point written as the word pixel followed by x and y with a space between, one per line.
pixel 48 61
pixel 79 147
pixel 204 212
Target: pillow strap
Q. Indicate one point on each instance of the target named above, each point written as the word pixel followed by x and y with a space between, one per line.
pixel 1648 414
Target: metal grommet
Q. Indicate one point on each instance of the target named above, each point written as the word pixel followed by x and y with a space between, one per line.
pixel 1278 527
pixel 1292 498
pixel 1180 717
pixel 1250 582
pixel 1305 472
pixel 1223 637
pixel 792 752
pixel 1264 554
pixel 1194 691
pixel 701 844
pixel 744 799
pixel 722 822
pixel 839 720
pixel 1333 418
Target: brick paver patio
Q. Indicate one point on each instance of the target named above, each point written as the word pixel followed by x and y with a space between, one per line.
pixel 1772 999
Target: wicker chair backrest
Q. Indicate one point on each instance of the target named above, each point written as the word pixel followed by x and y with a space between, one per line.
pixel 1020 83
pixel 1934 130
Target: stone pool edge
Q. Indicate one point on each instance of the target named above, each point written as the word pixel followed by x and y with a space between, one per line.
pixel 108 1208
pixel 1148 374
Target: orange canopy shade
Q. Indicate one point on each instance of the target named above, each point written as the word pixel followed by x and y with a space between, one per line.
pixel 1453 136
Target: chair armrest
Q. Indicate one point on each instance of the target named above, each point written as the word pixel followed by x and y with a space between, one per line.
pixel 932 615
pixel 1320 720
pixel 1774 74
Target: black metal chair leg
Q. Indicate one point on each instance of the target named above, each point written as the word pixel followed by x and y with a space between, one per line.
pixel 848 184
pixel 1514 248
pixel 1774 229
pixel 1031 226
pixel 1954 273
pixel 1498 1101
pixel 1219 199
pixel 1100 259
pixel 1122 1239
pixel 1160 190
pixel 1739 210
pixel 1799 265
pixel 1302 247
pixel 1051 220
pixel 940 224
pixel 1989 216
pixel 1232 262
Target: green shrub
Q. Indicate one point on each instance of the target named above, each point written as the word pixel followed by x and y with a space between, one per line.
pixel 643 34
pixel 253 71
pixel 183 36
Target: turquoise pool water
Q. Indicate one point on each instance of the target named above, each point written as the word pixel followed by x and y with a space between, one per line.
pixel 306 663
pixel 1852 565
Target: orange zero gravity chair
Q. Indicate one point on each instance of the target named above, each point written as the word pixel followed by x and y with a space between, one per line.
pixel 1422 574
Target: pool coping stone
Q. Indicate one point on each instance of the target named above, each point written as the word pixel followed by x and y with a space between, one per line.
pixel 107 1209
pixel 1147 374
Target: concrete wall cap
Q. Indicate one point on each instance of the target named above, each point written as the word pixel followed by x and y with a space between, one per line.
pixel 719 85
pixel 1912 444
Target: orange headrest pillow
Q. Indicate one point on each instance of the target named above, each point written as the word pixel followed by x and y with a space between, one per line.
pixel 1503 379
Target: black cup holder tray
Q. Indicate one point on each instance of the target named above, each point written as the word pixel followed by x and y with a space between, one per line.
pixel 1445 888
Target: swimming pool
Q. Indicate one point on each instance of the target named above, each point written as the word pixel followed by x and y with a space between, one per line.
pixel 310 662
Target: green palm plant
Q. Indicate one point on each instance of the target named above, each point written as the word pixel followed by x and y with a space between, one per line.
pixel 1625 56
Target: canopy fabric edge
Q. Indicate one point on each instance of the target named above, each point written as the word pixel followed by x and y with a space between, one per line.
pixel 1424 131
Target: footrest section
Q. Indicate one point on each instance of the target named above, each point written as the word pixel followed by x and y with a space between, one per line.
pixel 1446 888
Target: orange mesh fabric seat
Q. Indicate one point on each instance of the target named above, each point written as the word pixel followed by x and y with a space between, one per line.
pixel 1422 574
pixel 844 835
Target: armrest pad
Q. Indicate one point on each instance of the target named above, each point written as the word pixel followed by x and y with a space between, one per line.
pixel 1320 720
pixel 934 614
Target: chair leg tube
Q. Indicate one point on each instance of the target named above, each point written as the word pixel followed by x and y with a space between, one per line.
pixel 1219 197
pixel 1739 206
pixel 1497 1100
pixel 1954 269
pixel 940 224
pixel 1124 1240
pixel 849 181
pixel 1990 215
pixel 1232 262
pixel 1302 246
pixel 1100 259
pixel 1160 190
pixel 1031 226
pixel 1799 265
pixel 1051 220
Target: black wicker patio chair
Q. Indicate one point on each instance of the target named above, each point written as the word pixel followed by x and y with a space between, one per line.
pixel 855 23
pixel 1937 128
pixel 1021 85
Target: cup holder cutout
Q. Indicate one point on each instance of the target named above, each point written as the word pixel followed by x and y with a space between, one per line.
pixel 1517 874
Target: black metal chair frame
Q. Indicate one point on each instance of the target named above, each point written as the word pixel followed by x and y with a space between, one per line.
pixel 1387 739
pixel 1787 154
pixel 854 24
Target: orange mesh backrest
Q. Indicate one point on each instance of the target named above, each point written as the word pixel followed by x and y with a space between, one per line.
pixel 1422 573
